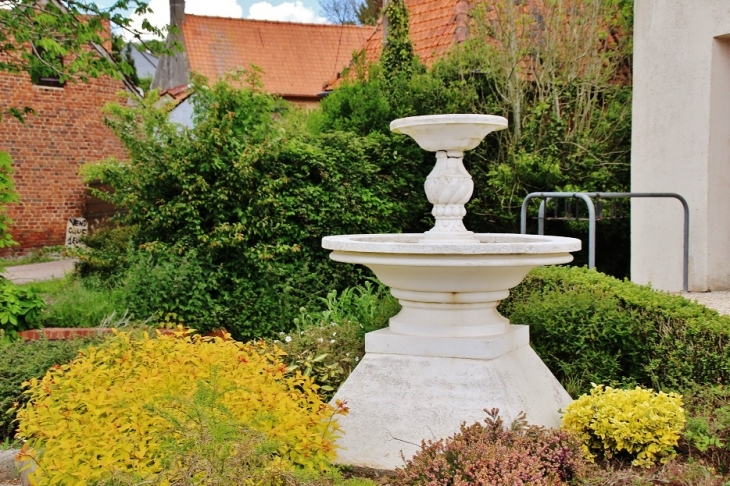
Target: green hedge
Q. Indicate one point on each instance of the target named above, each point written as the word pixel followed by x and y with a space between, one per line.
pixel 589 327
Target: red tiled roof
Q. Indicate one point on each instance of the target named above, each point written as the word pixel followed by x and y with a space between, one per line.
pixel 297 59
pixel 432 29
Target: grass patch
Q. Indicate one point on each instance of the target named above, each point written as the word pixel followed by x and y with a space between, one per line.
pixel 71 302
pixel 48 287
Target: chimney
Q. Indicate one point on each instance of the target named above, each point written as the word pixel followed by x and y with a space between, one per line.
pixel 173 69
pixel 462 21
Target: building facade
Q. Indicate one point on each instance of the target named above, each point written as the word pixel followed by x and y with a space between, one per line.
pixel 681 142
pixel 65 131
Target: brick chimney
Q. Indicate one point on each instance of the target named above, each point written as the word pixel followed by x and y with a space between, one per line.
pixel 173 69
pixel 462 21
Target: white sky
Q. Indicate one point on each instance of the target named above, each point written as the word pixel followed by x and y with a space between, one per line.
pixel 291 11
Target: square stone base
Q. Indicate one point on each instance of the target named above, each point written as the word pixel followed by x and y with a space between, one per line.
pixel 397 400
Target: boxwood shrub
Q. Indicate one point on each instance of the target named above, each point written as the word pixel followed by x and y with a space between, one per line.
pixel 589 327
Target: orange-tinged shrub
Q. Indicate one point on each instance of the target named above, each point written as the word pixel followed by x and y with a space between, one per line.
pixel 99 415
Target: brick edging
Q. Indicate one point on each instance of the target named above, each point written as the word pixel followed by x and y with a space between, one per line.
pixel 58 333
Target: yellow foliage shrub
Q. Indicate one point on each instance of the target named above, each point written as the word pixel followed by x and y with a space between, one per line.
pixel 640 422
pixel 100 414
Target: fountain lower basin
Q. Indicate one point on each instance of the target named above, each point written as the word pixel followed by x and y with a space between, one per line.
pixel 450 289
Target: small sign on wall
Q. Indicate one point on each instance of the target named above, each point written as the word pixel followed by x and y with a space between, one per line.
pixel 75 229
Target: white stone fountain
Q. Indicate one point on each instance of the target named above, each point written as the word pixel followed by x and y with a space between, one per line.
pixel 448 354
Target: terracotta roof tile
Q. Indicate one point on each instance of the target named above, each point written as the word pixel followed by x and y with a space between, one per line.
pixel 297 59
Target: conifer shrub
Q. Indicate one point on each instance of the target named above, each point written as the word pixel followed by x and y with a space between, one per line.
pixel 589 327
pixel 113 409
pixel 491 454
pixel 639 423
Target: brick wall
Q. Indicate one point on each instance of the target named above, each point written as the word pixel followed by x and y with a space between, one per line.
pixel 66 131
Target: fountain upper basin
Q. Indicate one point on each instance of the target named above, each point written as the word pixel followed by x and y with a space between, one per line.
pixel 448 132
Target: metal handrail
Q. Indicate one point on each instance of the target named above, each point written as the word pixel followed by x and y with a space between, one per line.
pixel 588 198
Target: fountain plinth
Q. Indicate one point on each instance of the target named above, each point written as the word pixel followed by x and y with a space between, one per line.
pixel 448 354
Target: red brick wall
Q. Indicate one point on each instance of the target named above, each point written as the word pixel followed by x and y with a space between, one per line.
pixel 66 131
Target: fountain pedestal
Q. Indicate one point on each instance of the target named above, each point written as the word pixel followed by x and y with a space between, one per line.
pixel 398 400
pixel 449 354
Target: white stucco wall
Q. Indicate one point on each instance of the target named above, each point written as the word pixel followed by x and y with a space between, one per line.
pixel 681 141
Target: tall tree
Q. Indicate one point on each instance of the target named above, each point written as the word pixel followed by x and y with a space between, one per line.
pixel 368 12
pixel 360 12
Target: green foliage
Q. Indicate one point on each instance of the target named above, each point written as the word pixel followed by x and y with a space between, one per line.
pixel 54 39
pixel 47 286
pixel 620 332
pixel 397 57
pixel 20 309
pixel 369 306
pixel 327 345
pixel 707 434
pixel 641 423
pixel 569 111
pixel 495 455
pixel 240 205
pixel 116 407
pixel 106 252
pixel 22 361
pixel 161 282
pixel 368 11
pixel 7 196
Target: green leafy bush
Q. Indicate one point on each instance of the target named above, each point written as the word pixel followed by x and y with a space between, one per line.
pixel 22 361
pixel 20 308
pixel 106 252
pixel 369 306
pixel 240 206
pixel 589 327
pixel 494 455
pixel 640 423
pixel 161 282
